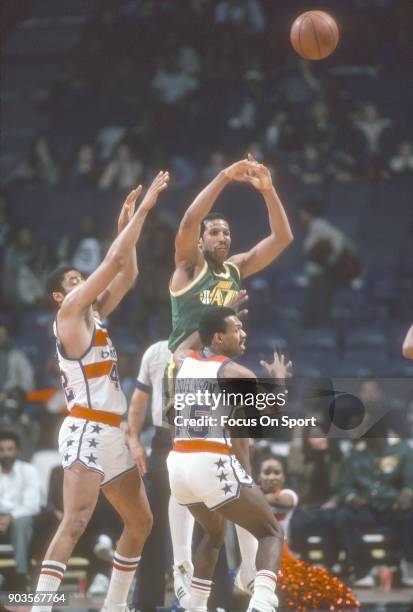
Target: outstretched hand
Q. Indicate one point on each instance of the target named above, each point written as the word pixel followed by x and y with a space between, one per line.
pixel 128 208
pixel 250 171
pixel 258 175
pixel 237 301
pixel 160 183
pixel 238 171
pixel 278 368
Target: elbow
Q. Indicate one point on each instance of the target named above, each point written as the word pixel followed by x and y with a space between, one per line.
pixel 407 351
pixel 288 238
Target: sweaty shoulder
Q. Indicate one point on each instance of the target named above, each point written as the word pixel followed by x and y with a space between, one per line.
pixel 235 370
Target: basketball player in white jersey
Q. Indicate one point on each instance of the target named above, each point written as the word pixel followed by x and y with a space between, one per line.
pixel 91 443
pixel 205 475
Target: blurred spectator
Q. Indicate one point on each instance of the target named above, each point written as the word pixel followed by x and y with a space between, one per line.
pixel 313 468
pixel 309 166
pixel 320 127
pixel 245 14
pixel 182 171
pixel 376 492
pixel 26 265
pixel 279 133
pixel 15 369
pixel 373 128
pixel 41 164
pixel 402 162
pixel 5 222
pixel 84 171
pixel 123 172
pixel 343 164
pixel 14 418
pixel 216 163
pixel 19 503
pixel 330 260
pixel 85 253
pixel 171 83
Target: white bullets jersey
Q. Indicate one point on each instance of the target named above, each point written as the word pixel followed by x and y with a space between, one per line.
pixel 92 381
pixel 200 373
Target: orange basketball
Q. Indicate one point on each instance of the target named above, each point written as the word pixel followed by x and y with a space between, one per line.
pixel 314 35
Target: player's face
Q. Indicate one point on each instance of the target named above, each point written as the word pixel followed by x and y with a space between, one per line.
pixel 8 453
pixel 70 281
pixel 234 338
pixel 271 475
pixel 216 240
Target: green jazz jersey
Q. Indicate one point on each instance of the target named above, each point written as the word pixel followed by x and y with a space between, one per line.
pixel 207 289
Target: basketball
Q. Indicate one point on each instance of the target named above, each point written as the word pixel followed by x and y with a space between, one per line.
pixel 314 35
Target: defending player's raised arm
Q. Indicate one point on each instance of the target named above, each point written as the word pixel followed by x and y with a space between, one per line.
pixel 118 257
pixel 186 244
pixel 266 251
pixel 407 348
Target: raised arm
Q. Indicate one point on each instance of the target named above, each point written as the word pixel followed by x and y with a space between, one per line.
pixel 266 251
pixel 117 259
pixel 186 243
pixel 125 279
pixel 407 348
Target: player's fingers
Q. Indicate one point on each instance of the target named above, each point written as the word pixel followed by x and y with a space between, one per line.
pixel 264 364
pixel 242 314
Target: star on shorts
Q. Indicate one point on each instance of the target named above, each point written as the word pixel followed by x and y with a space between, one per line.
pixel 96 428
pixel 220 464
pixel 91 458
pixel 66 457
pixel 92 443
pixel 73 428
pixel 222 476
pixel 227 489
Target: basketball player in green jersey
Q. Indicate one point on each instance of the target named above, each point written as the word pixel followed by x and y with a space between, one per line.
pixel 204 273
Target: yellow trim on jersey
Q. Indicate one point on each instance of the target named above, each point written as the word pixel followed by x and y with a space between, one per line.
pixel 231 263
pixel 191 284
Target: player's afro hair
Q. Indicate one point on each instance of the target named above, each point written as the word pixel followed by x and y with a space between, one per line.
pixel 213 321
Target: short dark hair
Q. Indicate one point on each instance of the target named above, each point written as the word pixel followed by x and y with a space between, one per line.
pixel 213 321
pixel 213 216
pixel 10 435
pixel 55 278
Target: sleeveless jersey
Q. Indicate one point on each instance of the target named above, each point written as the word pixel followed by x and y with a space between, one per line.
pixel 200 373
pixel 207 289
pixel 92 381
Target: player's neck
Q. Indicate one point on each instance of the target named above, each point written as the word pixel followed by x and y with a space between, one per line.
pixel 211 351
pixel 216 266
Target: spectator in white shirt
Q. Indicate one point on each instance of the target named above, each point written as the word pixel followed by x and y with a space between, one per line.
pixel 330 260
pixel 19 502
pixel 402 162
pixel 15 369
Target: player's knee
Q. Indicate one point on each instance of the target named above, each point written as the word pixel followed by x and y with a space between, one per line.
pixel 140 526
pixel 75 525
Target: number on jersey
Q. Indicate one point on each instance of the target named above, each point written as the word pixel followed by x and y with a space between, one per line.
pixel 114 376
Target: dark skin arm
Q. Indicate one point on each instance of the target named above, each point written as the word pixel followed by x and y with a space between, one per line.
pixel 407 348
pixel 269 249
